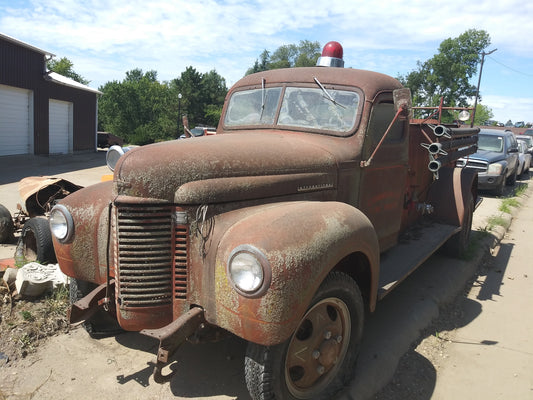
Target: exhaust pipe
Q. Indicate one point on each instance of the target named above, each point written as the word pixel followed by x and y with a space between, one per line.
pixel 441 130
pixel 434 165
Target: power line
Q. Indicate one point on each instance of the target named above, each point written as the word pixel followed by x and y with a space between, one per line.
pixel 512 69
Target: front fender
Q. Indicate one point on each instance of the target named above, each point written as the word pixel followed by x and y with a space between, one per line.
pixel 303 242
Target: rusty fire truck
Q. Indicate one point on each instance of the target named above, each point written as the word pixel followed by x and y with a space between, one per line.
pixel 318 195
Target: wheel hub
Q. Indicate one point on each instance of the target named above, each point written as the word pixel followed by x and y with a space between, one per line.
pixel 317 348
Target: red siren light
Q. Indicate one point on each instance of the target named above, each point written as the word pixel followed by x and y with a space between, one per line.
pixel 331 55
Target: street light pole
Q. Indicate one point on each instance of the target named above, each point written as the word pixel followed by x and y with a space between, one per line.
pixel 483 54
pixel 179 114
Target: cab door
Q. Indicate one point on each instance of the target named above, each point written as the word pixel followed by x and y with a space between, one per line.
pixel 383 182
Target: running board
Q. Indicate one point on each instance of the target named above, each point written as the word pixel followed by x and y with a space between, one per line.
pixel 399 262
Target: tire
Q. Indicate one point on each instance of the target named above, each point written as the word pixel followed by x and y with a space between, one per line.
pixel 457 245
pixel 35 242
pixel 498 190
pixel 512 179
pixel 7 228
pixel 102 323
pixel 331 345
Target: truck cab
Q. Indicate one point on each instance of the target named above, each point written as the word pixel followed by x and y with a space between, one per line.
pixel 316 197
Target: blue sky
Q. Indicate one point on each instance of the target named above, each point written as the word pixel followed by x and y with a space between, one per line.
pixel 106 38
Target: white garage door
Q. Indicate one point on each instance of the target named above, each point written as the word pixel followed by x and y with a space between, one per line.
pixel 16 121
pixel 60 127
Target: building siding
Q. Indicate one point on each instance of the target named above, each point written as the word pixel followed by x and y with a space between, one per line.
pixel 24 68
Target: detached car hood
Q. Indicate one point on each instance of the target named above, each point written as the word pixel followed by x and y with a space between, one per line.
pixel 225 168
pixel 489 156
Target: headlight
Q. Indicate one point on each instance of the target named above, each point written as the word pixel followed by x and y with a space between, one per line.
pixel 113 154
pixel 61 223
pixel 495 169
pixel 249 271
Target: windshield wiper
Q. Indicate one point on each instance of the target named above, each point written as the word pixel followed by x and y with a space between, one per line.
pixel 327 95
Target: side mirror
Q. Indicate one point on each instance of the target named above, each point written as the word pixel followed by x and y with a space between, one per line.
pixel 402 99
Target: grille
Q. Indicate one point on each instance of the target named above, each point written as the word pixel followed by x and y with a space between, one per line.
pixel 152 256
pixel 479 166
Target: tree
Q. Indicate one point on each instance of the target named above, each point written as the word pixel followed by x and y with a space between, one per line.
pixel 447 74
pixel 64 67
pixel 202 96
pixel 305 54
pixel 134 108
pixel 483 114
pixel 142 110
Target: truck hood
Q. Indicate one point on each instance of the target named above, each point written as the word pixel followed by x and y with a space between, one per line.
pixel 489 156
pixel 227 167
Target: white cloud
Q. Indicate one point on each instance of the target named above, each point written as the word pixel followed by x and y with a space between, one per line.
pixel 106 38
pixel 511 108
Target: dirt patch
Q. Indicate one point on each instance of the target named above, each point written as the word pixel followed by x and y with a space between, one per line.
pixel 26 322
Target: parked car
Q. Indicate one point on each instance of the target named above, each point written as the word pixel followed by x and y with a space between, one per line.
pixel 106 139
pixel 496 160
pixel 528 132
pixel 201 131
pixel 528 140
pixel 524 159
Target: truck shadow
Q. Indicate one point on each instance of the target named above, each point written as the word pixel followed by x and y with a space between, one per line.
pixel 415 377
pixel 201 371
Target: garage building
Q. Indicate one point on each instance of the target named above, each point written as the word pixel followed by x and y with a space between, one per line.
pixel 42 112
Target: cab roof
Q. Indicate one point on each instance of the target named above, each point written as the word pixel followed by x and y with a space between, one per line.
pixel 369 82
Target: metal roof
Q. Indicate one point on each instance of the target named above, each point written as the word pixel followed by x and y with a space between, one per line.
pixel 63 80
pixel 23 44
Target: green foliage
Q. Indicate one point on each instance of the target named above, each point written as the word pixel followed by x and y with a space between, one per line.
pixel 483 113
pixel 27 316
pixel 447 74
pixel 63 67
pixel 143 110
pixel 305 54
pixel 509 203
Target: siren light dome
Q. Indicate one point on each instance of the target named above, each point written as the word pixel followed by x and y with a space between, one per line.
pixel 331 55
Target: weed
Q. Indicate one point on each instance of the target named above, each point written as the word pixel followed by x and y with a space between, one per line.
pixel 497 220
pixel 520 190
pixel 27 316
pixel 508 203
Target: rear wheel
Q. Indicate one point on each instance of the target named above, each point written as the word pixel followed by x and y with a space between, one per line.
pixel 319 359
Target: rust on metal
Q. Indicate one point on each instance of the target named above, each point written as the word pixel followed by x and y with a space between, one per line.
pixel 84 308
pixel 171 337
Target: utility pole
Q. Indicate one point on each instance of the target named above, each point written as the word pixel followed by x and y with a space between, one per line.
pixel 179 114
pixel 483 54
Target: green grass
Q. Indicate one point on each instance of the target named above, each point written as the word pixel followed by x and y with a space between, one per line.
pixel 508 203
pixel 497 220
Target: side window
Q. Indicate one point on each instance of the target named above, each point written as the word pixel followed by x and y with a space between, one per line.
pixel 380 119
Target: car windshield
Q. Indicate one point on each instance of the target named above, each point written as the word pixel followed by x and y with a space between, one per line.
pixel 527 139
pixel 490 143
pixel 316 108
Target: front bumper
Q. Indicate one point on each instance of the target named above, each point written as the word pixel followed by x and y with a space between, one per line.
pixel 488 182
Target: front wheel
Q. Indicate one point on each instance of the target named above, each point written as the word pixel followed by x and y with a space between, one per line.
pixel 318 360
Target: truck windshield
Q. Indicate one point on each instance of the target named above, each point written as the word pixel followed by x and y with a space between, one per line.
pixel 334 110
pixel 490 143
